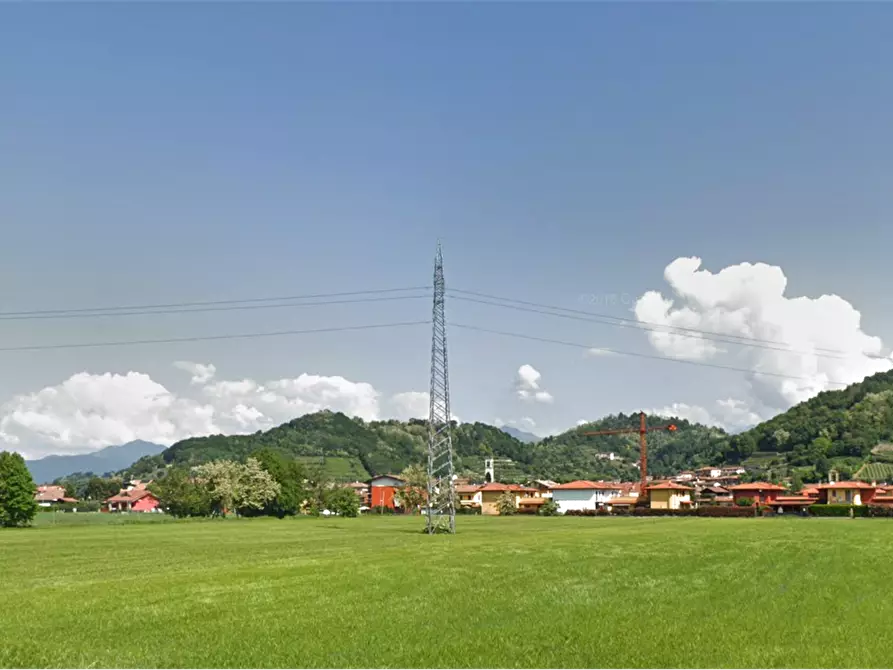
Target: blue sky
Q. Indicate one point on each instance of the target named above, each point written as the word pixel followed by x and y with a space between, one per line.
pixel 176 152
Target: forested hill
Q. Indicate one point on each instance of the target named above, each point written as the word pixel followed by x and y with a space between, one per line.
pixel 844 428
pixel 848 429
pixel 349 448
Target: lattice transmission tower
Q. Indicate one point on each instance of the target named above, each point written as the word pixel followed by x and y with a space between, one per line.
pixel 441 506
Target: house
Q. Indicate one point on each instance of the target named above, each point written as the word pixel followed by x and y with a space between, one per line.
pixel 531 504
pixel 758 492
pixel 49 494
pixel 493 491
pixel 810 491
pixel 583 494
pixel 468 495
pixel 713 495
pixel 684 476
pixel 622 502
pixel 668 495
pixel 133 499
pixel 708 472
pixel 846 493
pixel 382 488
pixel 544 487
pixel 798 504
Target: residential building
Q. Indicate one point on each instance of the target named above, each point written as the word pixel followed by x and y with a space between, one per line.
pixel 583 494
pixel 759 492
pixel 493 491
pixel 469 495
pixel 544 487
pixel 669 495
pixel 49 494
pixel 382 489
pixel 846 493
pixel 709 472
pixel 797 504
pixel 133 500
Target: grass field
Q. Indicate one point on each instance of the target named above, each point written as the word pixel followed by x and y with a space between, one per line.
pixel 503 592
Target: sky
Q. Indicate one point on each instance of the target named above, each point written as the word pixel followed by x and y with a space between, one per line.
pixel 721 167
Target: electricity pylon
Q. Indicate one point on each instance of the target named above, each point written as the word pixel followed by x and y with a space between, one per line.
pixel 441 503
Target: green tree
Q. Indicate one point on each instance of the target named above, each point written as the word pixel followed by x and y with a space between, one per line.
pixel 343 501
pixel 506 504
pixel 17 489
pixel 292 479
pixel 180 495
pixel 548 508
pixel 235 486
pixel 796 483
pixel 100 488
pixel 412 496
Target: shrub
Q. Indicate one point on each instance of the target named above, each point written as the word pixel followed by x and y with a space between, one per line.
pixel 81 506
pixel 506 504
pixel 744 502
pixel 830 510
pixel 718 511
pixel 468 510
pixel 384 509
pixel 875 511
pixel 527 509
pixel 343 502
pixel 548 508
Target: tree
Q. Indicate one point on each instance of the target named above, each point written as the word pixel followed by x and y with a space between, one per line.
pixel 548 508
pixel 412 496
pixel 291 477
pixel 180 495
pixel 343 501
pixel 17 504
pixel 71 489
pixel 796 483
pixel 100 488
pixel 506 504
pixel 235 485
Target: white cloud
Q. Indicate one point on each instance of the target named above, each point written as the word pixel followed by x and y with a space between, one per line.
pixel 201 373
pixel 410 405
pixel 93 411
pixel 730 414
pixel 90 411
pixel 747 300
pixel 527 385
pixel 582 422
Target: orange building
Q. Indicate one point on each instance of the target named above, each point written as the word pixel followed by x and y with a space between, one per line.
pixel 382 490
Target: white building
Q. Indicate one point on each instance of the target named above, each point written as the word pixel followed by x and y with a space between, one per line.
pixel 584 495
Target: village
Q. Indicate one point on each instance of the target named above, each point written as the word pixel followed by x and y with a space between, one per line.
pixel 690 489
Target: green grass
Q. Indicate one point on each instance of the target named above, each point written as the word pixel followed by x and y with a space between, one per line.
pixel 503 592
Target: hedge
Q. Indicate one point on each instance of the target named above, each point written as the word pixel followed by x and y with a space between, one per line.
pixel 830 510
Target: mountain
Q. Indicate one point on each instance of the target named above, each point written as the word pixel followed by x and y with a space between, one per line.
pixel 845 429
pixel 110 459
pixel 349 448
pixel 521 435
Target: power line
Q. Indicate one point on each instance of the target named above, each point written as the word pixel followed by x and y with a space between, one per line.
pixel 194 310
pixel 636 354
pixel 206 303
pixel 203 338
pixel 679 331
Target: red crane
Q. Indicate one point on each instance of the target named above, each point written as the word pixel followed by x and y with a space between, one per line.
pixel 643 448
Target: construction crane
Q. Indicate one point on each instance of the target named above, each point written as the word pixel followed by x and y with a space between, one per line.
pixel 642 430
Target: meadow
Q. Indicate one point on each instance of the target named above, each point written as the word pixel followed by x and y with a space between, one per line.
pixel 503 592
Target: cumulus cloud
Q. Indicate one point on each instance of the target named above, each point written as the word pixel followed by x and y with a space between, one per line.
pixel 201 373
pixel 410 405
pixel 748 301
pixel 527 385
pixel 730 414
pixel 89 411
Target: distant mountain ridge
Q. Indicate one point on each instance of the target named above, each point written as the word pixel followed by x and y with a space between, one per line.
pixel 110 459
pixel 521 435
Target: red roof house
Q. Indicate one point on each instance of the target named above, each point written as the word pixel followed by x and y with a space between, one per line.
pixel 136 499
pixel 847 493
pixel 759 492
